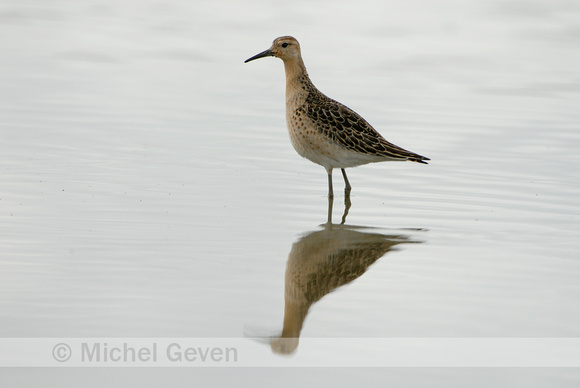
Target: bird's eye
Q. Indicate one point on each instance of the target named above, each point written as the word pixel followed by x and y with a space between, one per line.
pixel 285 44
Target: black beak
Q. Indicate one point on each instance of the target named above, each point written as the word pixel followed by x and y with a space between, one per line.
pixel 267 53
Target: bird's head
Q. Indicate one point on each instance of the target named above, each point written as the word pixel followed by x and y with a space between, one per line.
pixel 286 48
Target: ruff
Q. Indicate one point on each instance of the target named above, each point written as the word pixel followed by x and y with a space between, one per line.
pixel 323 130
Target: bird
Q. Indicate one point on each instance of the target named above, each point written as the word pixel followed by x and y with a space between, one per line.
pixel 323 130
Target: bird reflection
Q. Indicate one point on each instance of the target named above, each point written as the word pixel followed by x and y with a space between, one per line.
pixel 322 261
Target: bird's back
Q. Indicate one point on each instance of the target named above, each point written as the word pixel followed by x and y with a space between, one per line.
pixel 339 125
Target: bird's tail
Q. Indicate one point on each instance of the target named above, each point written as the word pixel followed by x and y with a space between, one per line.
pixel 419 159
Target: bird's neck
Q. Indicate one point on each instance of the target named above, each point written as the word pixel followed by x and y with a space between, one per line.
pixel 297 80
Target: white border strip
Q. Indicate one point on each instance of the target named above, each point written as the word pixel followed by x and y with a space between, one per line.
pixel 311 352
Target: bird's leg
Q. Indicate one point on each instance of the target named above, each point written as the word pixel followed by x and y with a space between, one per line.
pixel 346 183
pixel 330 203
pixel 330 191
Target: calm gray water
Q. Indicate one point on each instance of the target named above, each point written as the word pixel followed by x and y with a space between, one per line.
pixel 149 189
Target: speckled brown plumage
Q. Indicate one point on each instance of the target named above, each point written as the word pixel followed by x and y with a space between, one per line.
pixel 342 125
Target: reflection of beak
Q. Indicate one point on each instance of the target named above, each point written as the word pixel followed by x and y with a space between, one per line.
pixel 267 53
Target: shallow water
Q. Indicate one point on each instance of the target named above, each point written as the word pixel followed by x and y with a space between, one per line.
pixel 149 188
